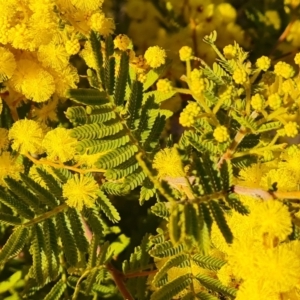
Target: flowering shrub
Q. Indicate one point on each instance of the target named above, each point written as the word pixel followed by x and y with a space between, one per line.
pixel 149 150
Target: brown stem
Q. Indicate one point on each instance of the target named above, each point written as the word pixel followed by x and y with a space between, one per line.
pixel 118 279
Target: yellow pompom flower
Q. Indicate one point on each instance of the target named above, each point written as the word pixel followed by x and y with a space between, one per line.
pixel 279 268
pixel 274 101
pixel 164 85
pixel 87 5
pixel 257 102
pixel 239 76
pixel 189 114
pixel 168 163
pixel 7 64
pixel 291 129
pixel 9 167
pixel 59 145
pixel 105 26
pixel 228 12
pixel 272 219
pixel 80 191
pixel 230 51
pixel 297 58
pixel 4 142
pixel 122 42
pixel 72 47
pixel 196 74
pixel 185 53
pixel 155 56
pixel 27 136
pixel 283 69
pixel 263 63
pixel 221 134
pixel 33 81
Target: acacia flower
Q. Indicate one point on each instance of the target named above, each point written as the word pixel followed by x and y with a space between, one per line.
pixel 283 69
pixel 7 64
pixel 257 102
pixel 122 42
pixel 155 56
pixel 239 76
pixel 291 129
pixel 9 167
pixel 185 53
pixel 72 46
pixel 221 134
pixel 80 191
pixel 27 136
pixel 87 5
pixel 101 24
pixel 230 51
pixel 164 85
pixel 274 101
pixel 59 145
pixel 263 63
pixel 168 163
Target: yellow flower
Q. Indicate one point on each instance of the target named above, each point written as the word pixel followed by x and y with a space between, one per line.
pixel 189 114
pixel 239 76
pixel 185 53
pixel 80 191
pixel 256 290
pixel 122 42
pixel 59 145
pixel 230 51
pixel 284 179
pixel 263 63
pixel 4 142
pixel 272 219
pixel 274 101
pixel 9 167
pixel 164 85
pixel 297 58
pixel 47 111
pixel 87 5
pixel 257 102
pixel 279 268
pixel 168 163
pixel 101 24
pixel 291 129
pixel 32 81
pixel 7 64
pixel 155 56
pixel 221 134
pixel 27 136
pixel 283 69
pixel 72 47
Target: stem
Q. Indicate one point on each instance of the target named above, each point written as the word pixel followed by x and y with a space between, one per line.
pixel 118 279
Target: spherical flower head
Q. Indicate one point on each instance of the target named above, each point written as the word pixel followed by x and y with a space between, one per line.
pixel 272 18
pixel 87 6
pixel 105 26
pixel 257 102
pixel 7 64
pixel 228 12
pixel 164 85
pixel 31 80
pixel 239 76
pixel 122 42
pixel 288 86
pixel 80 191
pixel 197 86
pixel 4 142
pixel 297 59
pixel 263 63
pixel 72 47
pixel 272 220
pixel 230 51
pixel 26 136
pixel 189 114
pixel 279 268
pixel 221 134
pixel 196 74
pixel 168 163
pixel 185 53
pixel 59 145
pixel 274 101
pixel 283 69
pixel 291 129
pixel 155 56
pixel 9 167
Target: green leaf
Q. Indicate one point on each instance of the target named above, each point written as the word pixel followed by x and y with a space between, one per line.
pixel 122 79
pixel 216 285
pixel 106 206
pixel 235 203
pixel 160 210
pixel 165 249
pixel 57 291
pixel 96 47
pixel 221 221
pixel 87 96
pixel 171 289
pixel 208 262
pixel 14 244
pixel 268 126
